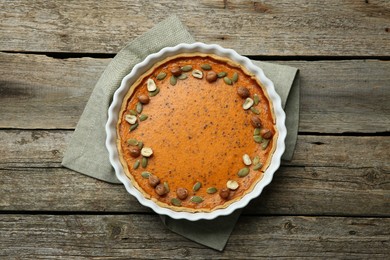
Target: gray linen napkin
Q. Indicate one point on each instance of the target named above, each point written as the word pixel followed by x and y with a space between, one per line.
pixel 87 154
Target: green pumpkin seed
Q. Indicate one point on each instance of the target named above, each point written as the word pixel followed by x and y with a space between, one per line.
pixel 186 68
pixel 264 144
pixel 197 186
pixel 161 76
pixel 211 190
pixel 144 162
pixel 153 93
pixel 176 202
pixel 255 110
pixel 166 186
pixel 136 165
pixel 183 76
pixel 243 172
pixel 256 99
pixel 256 160
pixel 227 81
pixel 206 66
pixel 257 138
pixel 235 77
pixel 256 131
pixel 173 80
pixel 139 107
pixel 146 175
pixel 133 127
pixel 196 199
pixel 221 74
pixel 140 144
pixel 257 166
pixel 132 112
pixel 132 142
pixel 143 117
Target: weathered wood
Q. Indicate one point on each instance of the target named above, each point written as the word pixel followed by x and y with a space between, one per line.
pixel 144 236
pixel 357 28
pixel 42 92
pixel 43 148
pixel 294 191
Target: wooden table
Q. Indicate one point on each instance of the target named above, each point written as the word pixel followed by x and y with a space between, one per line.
pixel 331 200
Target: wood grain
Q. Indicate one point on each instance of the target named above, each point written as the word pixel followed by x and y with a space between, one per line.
pixel 144 236
pixel 336 96
pixel 326 172
pixel 356 28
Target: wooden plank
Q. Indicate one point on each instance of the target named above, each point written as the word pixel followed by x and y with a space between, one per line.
pixel 357 28
pixel 294 191
pixel 55 91
pixel 43 148
pixel 144 236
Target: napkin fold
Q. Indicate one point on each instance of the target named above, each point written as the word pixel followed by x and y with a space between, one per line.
pixel 87 154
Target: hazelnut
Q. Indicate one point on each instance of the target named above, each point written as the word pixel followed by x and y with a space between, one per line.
pixel 211 76
pixel 153 180
pixel 176 71
pixel 134 151
pixel 224 193
pixel 160 189
pixel 255 121
pixel 243 92
pixel 182 193
pixel 266 133
pixel 144 99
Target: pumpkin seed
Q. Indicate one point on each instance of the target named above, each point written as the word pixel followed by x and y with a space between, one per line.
pixel 136 165
pixel 211 190
pixel 232 185
pixel 132 112
pixel 197 74
pixel 227 81
pixel 186 68
pixel 133 127
pixel 256 160
pixel 235 77
pixel 256 131
pixel 257 166
pixel 246 159
pixel 132 142
pixel 161 76
pixel 146 175
pixel 243 172
pixel 256 99
pixel 146 151
pixel 144 162
pixel 197 186
pixel 183 76
pixel 131 119
pixel 166 187
pixel 247 104
pixel 173 80
pixel 255 110
pixel 206 66
pixel 152 94
pixel 139 107
pixel 221 74
pixel 143 117
pixel 151 85
pixel 140 144
pixel 196 199
pixel 265 144
pixel 176 202
pixel 257 138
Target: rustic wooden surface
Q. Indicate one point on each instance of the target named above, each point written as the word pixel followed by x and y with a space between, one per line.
pixel 331 201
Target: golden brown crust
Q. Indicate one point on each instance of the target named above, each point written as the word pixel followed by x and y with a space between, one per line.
pixel 124 108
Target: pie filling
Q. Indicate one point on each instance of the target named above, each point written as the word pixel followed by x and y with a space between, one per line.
pixel 196 132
